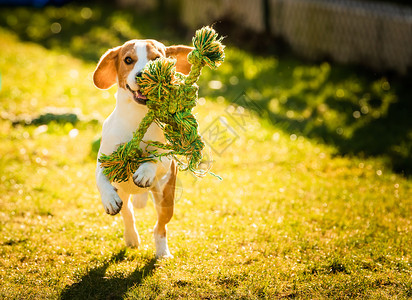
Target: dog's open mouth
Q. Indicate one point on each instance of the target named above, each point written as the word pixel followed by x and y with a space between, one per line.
pixel 137 96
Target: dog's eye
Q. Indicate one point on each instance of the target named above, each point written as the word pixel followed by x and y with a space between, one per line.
pixel 128 60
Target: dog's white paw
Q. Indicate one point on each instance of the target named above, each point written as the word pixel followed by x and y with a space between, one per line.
pixel 162 249
pixel 112 202
pixel 165 255
pixel 145 175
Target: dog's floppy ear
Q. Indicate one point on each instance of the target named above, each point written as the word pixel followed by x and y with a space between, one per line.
pixel 106 72
pixel 180 53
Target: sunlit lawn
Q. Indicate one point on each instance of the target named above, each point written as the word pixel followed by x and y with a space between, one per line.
pixel 291 218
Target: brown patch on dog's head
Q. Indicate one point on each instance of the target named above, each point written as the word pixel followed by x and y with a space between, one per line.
pixel 180 53
pixel 155 49
pixel 117 63
pixel 125 63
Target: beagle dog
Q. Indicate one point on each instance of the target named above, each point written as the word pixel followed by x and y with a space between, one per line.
pixel 121 65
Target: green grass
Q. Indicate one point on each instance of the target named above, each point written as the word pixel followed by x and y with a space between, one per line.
pixel 293 218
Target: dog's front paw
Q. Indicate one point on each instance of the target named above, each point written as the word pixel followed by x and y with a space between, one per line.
pixel 112 202
pixel 145 175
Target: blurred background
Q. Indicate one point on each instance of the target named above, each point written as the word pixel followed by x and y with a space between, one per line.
pixel 335 71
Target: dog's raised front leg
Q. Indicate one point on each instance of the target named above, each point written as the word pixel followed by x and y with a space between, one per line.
pixel 147 173
pixel 110 199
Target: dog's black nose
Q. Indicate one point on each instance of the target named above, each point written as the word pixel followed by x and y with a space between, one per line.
pixel 139 74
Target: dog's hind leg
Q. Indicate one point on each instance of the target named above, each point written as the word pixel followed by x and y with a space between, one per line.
pixel 131 236
pixel 140 200
pixel 164 203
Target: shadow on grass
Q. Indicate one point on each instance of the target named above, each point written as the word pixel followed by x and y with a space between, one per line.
pixel 354 109
pixel 96 285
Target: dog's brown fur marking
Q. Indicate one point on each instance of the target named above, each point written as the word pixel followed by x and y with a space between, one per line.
pixel 165 203
pixel 124 69
pixel 180 53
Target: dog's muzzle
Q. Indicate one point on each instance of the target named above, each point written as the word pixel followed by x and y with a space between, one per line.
pixel 137 96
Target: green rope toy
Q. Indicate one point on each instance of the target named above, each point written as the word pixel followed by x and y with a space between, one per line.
pixel 171 97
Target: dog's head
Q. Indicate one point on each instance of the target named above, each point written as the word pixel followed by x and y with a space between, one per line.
pixel 122 64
